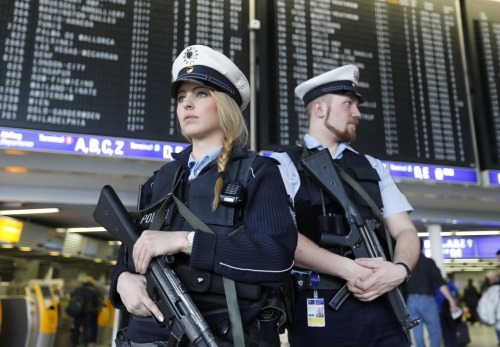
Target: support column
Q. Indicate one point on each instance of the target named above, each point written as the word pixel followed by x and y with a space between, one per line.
pixel 436 241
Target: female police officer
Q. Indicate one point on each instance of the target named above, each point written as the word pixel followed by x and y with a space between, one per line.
pixel 254 235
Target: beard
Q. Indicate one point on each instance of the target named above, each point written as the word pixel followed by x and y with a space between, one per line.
pixel 343 136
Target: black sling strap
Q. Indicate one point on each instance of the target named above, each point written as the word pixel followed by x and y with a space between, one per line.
pixel 357 187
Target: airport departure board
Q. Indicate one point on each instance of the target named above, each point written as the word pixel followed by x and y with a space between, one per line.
pixel 411 60
pixel 482 18
pixel 103 67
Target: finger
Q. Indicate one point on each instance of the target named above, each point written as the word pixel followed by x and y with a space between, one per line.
pixel 145 263
pixel 153 309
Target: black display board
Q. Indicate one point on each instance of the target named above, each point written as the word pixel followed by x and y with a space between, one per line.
pixel 103 67
pixel 482 19
pixel 410 56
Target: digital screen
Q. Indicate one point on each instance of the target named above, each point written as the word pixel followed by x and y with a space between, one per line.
pixel 103 67
pixel 467 247
pixel 482 18
pixel 491 178
pixel 411 60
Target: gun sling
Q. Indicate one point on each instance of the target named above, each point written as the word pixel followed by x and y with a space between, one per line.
pixel 357 187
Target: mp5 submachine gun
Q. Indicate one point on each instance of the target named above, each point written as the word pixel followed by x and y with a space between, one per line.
pixel 360 237
pixel 163 285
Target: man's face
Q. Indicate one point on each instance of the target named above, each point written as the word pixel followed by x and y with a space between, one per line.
pixel 343 117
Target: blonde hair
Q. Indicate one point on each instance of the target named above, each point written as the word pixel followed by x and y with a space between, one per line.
pixel 235 131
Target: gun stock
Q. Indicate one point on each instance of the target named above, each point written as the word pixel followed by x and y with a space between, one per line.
pixel 163 285
pixel 360 237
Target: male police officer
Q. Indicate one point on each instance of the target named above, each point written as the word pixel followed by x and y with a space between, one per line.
pixel 365 318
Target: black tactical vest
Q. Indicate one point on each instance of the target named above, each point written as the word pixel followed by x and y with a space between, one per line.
pixel 197 194
pixel 311 201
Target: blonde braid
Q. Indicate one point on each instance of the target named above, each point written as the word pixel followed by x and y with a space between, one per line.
pixel 235 132
pixel 222 162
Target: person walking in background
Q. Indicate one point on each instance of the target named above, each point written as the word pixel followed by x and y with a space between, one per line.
pixel 86 322
pixel 365 318
pixel 447 321
pixel 471 297
pixel 421 300
pixel 484 285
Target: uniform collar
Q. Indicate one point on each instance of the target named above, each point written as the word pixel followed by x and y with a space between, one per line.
pixel 195 167
pixel 313 143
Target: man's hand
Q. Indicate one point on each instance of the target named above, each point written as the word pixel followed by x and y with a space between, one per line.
pixel 385 277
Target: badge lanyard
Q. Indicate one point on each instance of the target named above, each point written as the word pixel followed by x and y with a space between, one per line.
pixel 315 305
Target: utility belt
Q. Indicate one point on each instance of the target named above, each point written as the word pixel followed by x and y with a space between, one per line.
pixel 206 283
pixel 302 281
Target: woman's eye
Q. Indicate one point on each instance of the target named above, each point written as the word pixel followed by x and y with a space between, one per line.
pixel 180 98
pixel 201 94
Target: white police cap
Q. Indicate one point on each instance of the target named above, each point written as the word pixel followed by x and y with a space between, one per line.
pixel 203 65
pixel 342 80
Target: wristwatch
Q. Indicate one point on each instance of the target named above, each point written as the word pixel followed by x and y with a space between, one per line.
pixel 408 271
pixel 189 243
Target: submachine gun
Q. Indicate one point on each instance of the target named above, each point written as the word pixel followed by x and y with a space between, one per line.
pixel 163 285
pixel 360 238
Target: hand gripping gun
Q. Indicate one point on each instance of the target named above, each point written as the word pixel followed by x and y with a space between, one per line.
pixel 163 285
pixel 360 238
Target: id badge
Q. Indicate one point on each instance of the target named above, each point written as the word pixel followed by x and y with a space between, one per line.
pixel 316 312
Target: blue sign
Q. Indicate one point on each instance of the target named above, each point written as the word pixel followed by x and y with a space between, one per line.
pixel 467 247
pixel 493 178
pixel 102 146
pixel 431 173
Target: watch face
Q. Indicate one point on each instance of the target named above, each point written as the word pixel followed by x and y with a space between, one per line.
pixel 190 236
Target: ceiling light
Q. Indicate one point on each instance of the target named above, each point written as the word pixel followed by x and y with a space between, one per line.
pixel 15 169
pixel 85 230
pixel 28 211
pixel 3 245
pixel 477 233
pixel 25 249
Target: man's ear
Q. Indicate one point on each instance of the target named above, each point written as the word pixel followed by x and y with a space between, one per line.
pixel 319 108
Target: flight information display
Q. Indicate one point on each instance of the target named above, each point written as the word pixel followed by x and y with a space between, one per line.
pixel 103 67
pixel 411 60
pixel 483 29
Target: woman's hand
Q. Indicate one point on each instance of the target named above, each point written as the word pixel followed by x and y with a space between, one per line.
pixel 153 243
pixel 132 290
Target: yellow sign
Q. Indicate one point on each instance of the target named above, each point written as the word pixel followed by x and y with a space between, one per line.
pixel 10 230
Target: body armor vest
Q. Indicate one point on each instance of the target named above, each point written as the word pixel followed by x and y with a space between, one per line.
pixel 311 202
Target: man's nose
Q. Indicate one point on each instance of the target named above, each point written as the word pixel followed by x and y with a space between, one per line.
pixel 356 113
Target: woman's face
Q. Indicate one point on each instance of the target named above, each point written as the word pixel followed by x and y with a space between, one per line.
pixel 197 112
